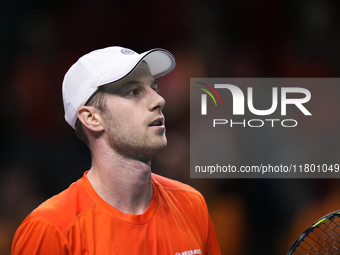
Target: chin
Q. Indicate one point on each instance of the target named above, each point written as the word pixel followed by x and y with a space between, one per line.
pixel 143 153
pixel 155 149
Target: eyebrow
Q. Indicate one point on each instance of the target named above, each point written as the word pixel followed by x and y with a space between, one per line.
pixel 126 85
pixel 134 82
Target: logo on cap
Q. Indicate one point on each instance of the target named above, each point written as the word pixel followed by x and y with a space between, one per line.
pixel 127 51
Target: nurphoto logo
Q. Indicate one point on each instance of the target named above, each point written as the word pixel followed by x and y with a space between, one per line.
pixel 263 127
pixel 238 106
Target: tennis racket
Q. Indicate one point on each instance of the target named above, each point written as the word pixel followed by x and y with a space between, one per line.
pixel 322 237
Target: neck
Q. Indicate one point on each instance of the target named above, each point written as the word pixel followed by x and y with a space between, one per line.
pixel 124 183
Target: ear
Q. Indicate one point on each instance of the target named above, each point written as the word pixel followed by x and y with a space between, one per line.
pixel 91 118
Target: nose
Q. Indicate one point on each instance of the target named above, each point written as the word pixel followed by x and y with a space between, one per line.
pixel 156 101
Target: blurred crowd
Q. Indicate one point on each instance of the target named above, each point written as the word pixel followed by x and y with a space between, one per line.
pixel 40 154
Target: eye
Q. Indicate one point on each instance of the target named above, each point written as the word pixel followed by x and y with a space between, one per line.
pixel 133 92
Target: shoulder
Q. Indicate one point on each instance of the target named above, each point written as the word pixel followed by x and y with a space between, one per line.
pixel 64 207
pixel 173 184
pixel 44 229
pixel 178 189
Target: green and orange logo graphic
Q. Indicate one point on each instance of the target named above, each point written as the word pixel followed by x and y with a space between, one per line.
pixel 204 97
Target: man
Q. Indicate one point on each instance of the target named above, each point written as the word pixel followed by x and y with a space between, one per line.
pixel 119 206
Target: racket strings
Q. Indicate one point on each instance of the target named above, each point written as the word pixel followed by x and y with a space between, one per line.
pixel 324 239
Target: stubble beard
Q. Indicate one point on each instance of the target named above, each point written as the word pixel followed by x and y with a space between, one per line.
pixel 132 146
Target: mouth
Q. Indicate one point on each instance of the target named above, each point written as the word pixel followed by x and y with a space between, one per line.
pixel 157 122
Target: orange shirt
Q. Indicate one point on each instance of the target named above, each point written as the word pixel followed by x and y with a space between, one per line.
pixel 77 221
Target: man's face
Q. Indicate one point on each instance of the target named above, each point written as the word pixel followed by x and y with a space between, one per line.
pixel 134 124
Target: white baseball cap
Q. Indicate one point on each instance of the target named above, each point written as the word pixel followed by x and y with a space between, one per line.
pixel 104 66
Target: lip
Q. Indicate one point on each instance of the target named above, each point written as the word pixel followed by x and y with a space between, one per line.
pixel 158 123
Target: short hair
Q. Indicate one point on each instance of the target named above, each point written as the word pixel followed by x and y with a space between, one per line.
pixel 97 101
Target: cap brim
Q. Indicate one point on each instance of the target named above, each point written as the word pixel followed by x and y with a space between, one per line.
pixel 160 62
